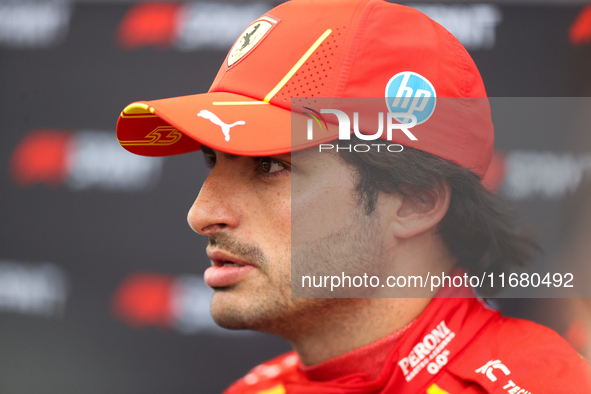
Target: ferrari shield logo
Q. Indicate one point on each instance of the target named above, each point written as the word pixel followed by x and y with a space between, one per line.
pixel 250 38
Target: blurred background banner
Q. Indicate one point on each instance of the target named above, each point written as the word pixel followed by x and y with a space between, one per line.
pixel 101 287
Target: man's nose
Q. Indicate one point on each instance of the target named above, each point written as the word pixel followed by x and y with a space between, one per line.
pixel 213 209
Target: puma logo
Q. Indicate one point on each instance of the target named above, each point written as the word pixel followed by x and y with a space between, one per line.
pixel 215 120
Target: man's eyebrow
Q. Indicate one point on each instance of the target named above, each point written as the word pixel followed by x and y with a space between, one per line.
pixel 303 155
pixel 208 151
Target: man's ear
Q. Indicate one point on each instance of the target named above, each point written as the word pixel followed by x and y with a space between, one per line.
pixel 419 213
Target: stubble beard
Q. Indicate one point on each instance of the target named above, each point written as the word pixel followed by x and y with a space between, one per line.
pixel 354 249
pixel 257 302
pixel 267 306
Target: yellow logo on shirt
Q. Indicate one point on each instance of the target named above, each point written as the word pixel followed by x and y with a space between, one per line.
pixel 279 389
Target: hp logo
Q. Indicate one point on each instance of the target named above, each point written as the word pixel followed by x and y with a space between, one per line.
pixel 411 93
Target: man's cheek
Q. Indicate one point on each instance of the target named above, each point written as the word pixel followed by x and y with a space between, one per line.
pixel 276 214
pixel 319 213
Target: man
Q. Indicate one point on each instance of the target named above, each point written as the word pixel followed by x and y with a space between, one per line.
pixel 276 206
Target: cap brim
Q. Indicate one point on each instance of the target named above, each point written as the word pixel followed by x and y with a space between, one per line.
pixel 223 121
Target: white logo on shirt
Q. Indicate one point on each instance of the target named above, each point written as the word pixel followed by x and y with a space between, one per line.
pixel 487 369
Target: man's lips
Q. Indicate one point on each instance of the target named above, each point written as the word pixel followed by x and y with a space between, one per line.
pixel 226 269
pixel 220 258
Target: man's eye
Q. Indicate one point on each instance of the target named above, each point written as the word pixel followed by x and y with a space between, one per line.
pixel 269 166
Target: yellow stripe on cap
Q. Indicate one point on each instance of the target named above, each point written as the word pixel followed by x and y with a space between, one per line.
pixel 297 66
pixel 238 102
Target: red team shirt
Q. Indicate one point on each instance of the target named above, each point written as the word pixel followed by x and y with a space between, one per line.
pixel 457 345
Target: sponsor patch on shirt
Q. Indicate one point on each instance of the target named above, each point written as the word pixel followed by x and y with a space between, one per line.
pixel 430 353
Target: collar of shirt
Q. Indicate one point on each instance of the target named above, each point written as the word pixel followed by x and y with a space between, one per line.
pixel 368 359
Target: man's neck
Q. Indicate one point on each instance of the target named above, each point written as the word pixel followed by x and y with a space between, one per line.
pixel 340 325
pixel 352 325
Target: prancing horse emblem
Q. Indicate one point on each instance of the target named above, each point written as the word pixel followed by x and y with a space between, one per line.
pixel 215 120
pixel 246 38
pixel 249 39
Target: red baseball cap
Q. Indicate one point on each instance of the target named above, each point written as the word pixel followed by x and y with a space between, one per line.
pixel 323 48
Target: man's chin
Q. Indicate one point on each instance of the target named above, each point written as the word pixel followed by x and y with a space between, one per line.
pixel 237 312
pixel 233 319
pixel 229 322
pixel 228 311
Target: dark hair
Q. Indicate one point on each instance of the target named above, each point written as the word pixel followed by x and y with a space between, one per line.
pixel 478 229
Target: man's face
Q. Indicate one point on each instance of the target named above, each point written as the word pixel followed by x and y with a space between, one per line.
pixel 245 208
